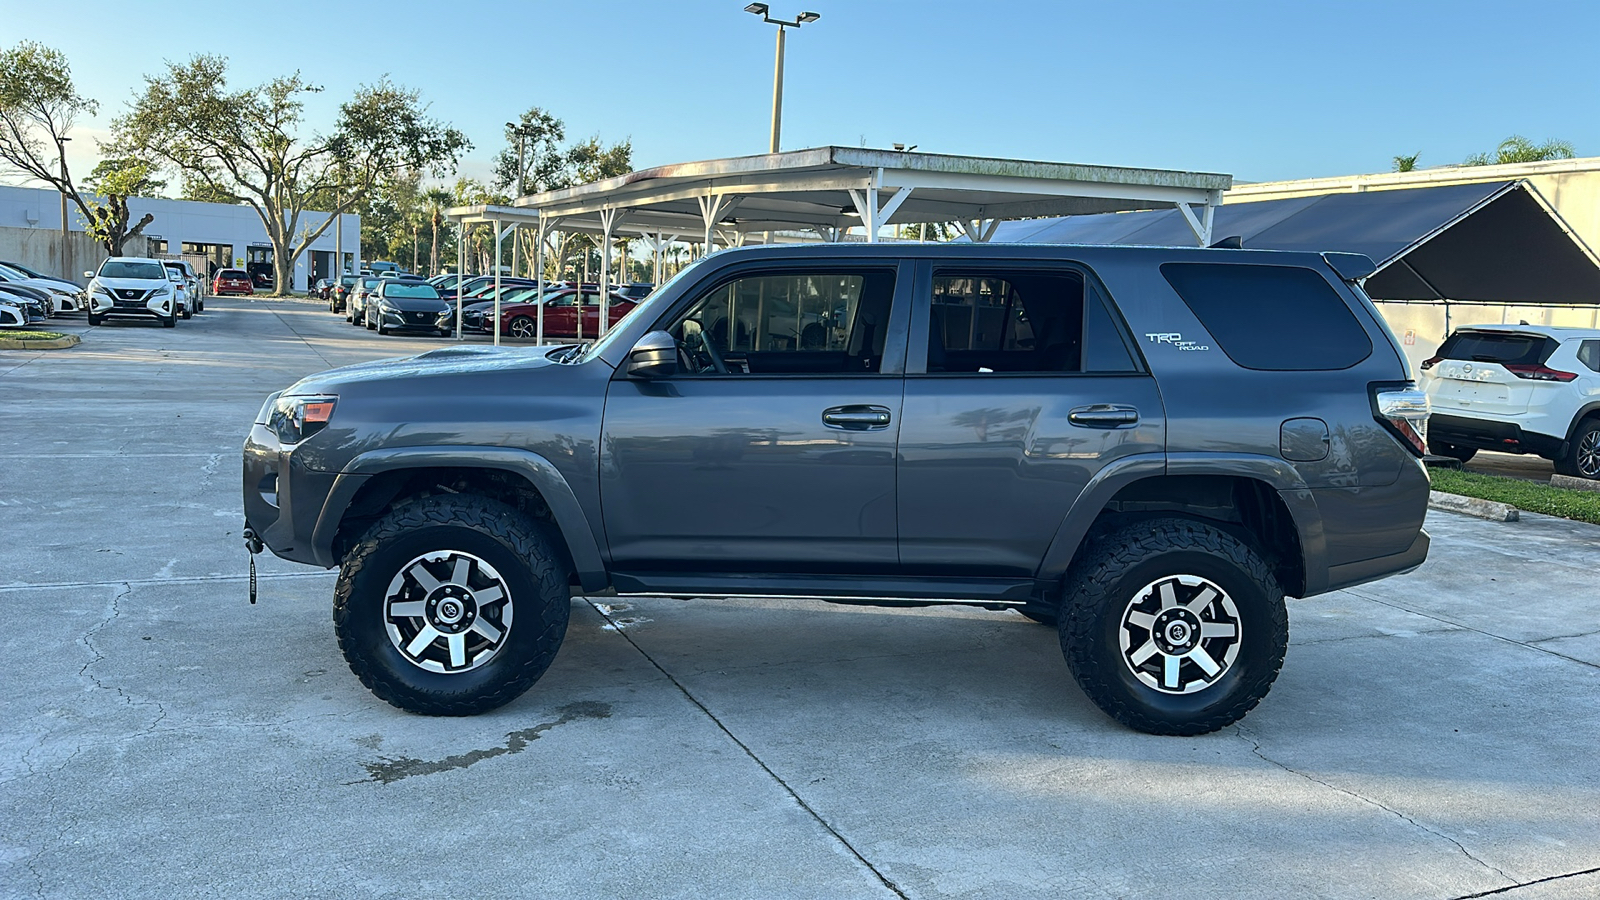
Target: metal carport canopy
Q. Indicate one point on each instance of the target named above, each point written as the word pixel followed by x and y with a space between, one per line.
pixel 829 190
pixel 1489 242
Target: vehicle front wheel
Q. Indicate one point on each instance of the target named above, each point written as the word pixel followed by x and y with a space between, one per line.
pixel 1452 451
pixel 1172 626
pixel 451 606
pixel 187 313
pixel 171 320
pixel 96 320
pixel 1583 451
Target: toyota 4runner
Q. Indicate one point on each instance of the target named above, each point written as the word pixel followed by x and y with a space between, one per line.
pixel 1146 447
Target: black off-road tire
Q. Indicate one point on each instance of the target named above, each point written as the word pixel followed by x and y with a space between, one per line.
pixel 1464 454
pixel 530 566
pixel 1115 568
pixel 1581 460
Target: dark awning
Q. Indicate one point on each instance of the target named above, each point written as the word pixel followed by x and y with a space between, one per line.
pixel 1480 243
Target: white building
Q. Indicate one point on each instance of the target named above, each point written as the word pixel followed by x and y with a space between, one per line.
pixel 227 235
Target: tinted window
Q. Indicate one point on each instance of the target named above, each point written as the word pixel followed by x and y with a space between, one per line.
pixel 1516 348
pixel 231 273
pixel 794 324
pixel 1589 354
pixel 1016 322
pixel 410 290
pixel 114 269
pixel 1281 318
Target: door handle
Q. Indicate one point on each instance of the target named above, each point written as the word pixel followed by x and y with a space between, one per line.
pixel 856 418
pixel 1104 415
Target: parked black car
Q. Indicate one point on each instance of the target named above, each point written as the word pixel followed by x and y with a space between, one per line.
pixel 404 304
pixel 1146 447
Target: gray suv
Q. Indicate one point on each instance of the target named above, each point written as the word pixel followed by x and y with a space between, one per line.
pixel 1147 448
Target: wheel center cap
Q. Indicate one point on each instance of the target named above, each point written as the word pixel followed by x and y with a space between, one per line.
pixel 1176 631
pixel 452 608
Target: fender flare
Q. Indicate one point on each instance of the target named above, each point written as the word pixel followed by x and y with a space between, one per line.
pixel 1276 473
pixel 538 471
pixel 1584 412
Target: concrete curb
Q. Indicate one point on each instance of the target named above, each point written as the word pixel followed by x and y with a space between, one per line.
pixel 1472 506
pixel 60 343
pixel 1574 484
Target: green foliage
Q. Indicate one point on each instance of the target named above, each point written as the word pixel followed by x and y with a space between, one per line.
pixel 253 144
pixel 544 162
pixel 1518 149
pixel 207 193
pixel 115 180
pixel 1532 496
pixel 38 107
pixel 1406 163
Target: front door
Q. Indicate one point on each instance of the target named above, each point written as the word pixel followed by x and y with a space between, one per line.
pixel 773 448
pixel 1029 387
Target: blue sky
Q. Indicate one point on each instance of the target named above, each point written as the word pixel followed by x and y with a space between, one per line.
pixel 1258 90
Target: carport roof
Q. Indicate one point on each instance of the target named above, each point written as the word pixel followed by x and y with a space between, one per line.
pixel 830 189
pixel 1496 242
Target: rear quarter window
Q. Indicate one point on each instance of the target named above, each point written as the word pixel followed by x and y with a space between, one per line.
pixel 1274 318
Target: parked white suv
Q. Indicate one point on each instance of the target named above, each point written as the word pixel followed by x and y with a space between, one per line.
pixel 132 286
pixel 1517 389
pixel 193 298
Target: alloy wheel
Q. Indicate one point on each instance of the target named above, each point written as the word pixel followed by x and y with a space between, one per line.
pixel 1180 633
pixel 448 611
pixel 1589 454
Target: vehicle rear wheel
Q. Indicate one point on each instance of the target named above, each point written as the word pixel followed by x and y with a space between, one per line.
pixel 523 327
pixel 1453 451
pixel 424 606
pixel 1172 626
pixel 1583 451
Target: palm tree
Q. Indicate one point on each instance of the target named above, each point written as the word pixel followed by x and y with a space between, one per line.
pixel 1518 149
pixel 1406 163
pixel 438 200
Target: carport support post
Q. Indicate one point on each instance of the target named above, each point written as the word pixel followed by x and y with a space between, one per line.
pixel 538 275
pixel 461 273
pixel 608 220
pixel 498 236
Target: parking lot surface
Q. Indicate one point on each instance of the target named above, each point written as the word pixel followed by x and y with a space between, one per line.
pixel 1431 736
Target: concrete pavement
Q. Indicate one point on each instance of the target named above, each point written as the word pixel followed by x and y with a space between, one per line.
pixel 1431 736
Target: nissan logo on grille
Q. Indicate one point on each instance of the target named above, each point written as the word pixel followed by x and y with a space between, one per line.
pixel 129 294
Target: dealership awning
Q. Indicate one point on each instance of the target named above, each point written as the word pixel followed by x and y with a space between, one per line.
pixel 1497 242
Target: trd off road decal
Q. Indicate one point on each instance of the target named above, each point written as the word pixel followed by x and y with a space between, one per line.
pixel 1176 340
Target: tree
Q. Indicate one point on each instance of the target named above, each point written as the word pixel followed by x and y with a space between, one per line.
pixel 1406 163
pixel 249 144
pixel 437 200
pixel 1518 149
pixel 544 162
pixel 115 180
pixel 38 107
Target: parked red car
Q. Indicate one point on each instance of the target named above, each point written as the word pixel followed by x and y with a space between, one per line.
pixel 520 320
pixel 232 281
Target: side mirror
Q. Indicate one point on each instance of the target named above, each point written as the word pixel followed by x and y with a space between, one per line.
pixel 654 356
pixel 88 274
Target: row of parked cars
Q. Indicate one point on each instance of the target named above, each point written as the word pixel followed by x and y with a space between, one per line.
pixel 122 286
pixel 396 301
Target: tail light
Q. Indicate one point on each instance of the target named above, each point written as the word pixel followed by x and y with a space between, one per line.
pixel 1430 362
pixel 1539 372
pixel 1403 410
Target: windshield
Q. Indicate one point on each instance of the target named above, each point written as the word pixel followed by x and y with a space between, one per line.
pixel 410 290
pixel 11 272
pixel 117 269
pixel 231 273
pixel 24 270
pixel 369 283
pixel 647 309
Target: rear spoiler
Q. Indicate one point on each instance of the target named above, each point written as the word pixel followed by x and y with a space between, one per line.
pixel 1352 267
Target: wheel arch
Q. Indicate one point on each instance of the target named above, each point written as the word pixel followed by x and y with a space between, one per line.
pixel 1587 411
pixel 1254 496
pixel 373 481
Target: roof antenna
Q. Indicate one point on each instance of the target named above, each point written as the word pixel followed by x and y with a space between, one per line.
pixel 1231 242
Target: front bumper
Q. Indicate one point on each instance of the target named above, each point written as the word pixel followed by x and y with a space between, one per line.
pixel 1492 434
pixel 284 500
pixel 160 308
pixel 399 320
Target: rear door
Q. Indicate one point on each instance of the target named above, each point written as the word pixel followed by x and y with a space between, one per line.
pixel 1021 385
pixel 773 449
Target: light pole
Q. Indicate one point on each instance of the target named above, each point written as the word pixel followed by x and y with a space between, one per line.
pixel 805 18
pixel 521 132
pixel 66 251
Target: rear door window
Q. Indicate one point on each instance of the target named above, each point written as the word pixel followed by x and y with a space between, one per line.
pixel 1275 318
pixel 1011 320
pixel 1503 347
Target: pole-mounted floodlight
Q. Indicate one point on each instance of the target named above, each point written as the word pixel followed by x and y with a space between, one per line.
pixel 805 18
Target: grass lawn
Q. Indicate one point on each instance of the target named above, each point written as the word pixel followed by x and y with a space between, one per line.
pixel 31 335
pixel 1532 496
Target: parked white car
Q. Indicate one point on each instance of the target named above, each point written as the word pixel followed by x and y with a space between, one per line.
pixel 1517 389
pixel 13 314
pixel 131 286
pixel 63 296
pixel 194 298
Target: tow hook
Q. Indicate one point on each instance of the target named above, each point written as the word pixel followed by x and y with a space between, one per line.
pixel 252 543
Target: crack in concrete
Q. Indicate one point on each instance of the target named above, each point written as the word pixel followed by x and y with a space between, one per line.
pixel 279 316
pixel 1379 635
pixel 1255 747
pixel 1545 880
pixel 1490 634
pixel 391 770
pixel 1563 637
pixel 793 794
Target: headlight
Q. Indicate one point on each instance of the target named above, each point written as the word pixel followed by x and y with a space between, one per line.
pixel 161 291
pixel 101 289
pixel 296 418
